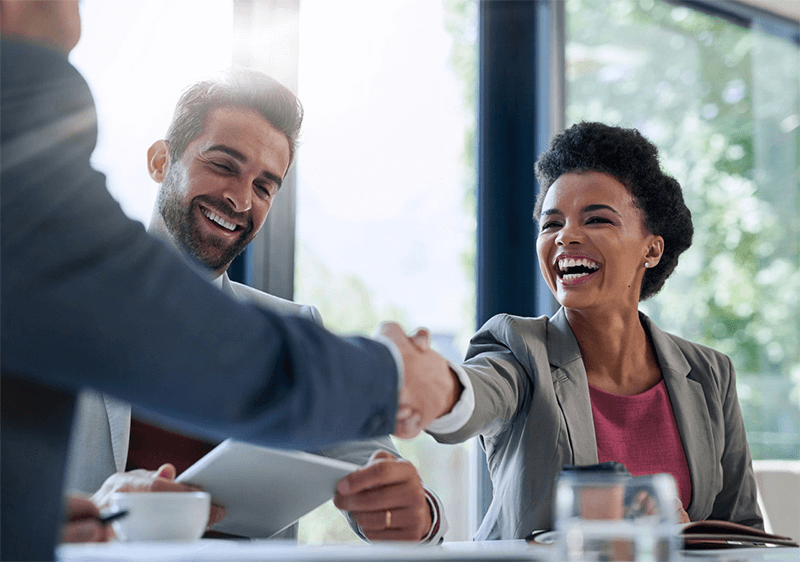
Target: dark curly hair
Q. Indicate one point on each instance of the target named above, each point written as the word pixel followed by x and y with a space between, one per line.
pixel 632 160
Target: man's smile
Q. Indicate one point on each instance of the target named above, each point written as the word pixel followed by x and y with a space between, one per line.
pixel 218 220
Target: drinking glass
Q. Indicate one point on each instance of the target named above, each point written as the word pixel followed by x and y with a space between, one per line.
pixel 613 516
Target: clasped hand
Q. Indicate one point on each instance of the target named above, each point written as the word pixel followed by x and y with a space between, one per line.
pixel 430 387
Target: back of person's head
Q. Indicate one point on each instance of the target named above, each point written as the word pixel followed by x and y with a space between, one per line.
pixel 241 88
pixel 632 160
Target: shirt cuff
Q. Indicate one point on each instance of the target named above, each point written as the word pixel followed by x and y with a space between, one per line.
pixel 456 418
pixel 439 524
pixel 398 361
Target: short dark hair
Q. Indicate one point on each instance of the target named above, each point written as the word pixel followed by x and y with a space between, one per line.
pixel 632 160
pixel 238 88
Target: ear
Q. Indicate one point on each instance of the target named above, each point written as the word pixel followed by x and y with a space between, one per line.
pixel 158 160
pixel 655 251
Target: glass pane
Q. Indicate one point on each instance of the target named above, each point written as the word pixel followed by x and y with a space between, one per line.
pixel 722 104
pixel 384 230
pixel 137 56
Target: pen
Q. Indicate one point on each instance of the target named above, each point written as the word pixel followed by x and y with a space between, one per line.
pixel 107 518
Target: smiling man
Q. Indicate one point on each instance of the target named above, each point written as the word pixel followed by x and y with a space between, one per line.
pixel 220 167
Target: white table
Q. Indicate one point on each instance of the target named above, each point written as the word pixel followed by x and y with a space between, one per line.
pixel 207 550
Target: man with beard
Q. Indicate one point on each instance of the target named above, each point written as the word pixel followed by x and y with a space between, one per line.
pixel 220 168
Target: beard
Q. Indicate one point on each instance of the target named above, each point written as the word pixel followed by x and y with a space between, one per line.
pixel 181 219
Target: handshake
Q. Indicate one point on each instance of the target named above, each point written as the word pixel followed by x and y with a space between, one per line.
pixel 430 387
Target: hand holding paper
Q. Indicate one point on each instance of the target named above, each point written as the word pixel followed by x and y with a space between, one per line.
pixel 387 500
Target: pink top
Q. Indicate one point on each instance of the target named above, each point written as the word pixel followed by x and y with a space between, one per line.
pixel 640 432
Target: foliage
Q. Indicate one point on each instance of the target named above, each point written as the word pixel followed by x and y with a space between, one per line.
pixel 697 86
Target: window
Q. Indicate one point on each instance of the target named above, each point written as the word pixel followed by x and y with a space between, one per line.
pixel 382 226
pixel 721 102
pixel 137 56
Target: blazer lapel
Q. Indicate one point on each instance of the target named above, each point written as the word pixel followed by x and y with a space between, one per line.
pixel 572 389
pixel 119 424
pixel 691 415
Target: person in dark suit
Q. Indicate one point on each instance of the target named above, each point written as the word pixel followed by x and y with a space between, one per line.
pixel 599 381
pixel 89 299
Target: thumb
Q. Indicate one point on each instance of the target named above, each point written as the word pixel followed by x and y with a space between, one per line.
pixel 381 456
pixel 422 339
pixel 166 471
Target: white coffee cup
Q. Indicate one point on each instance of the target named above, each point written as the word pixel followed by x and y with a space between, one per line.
pixel 161 516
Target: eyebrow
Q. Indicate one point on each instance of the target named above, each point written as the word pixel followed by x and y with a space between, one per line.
pixel 586 209
pixel 236 155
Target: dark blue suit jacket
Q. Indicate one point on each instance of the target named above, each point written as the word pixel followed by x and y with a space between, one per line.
pixel 89 299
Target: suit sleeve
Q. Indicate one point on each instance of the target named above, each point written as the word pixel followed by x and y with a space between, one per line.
pixel 89 299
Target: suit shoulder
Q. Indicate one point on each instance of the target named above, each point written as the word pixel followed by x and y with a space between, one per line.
pixel 509 328
pixel 273 303
pixel 706 362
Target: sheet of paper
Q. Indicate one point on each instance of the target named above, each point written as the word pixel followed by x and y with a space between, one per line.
pixel 264 490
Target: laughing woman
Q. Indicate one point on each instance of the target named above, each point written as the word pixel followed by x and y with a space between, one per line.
pixel 599 381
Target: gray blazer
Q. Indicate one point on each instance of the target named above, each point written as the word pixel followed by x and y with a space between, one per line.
pixel 101 430
pixel 533 415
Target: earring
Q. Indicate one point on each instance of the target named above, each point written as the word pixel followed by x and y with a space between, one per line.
pixel 646 264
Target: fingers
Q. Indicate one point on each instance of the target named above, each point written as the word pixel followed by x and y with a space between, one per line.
pixel 217 514
pixel 81 508
pixel 422 339
pixel 386 499
pixel 85 530
pixel 406 524
pixel 167 471
pixel 157 485
pixel 384 470
pixel 82 522
pixel 430 388
pixel 141 481
pixel 682 516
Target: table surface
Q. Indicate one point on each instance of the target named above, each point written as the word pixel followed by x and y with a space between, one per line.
pixel 206 550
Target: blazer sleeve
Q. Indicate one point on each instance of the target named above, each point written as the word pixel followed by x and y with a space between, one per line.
pixel 89 299
pixel 737 501
pixel 497 365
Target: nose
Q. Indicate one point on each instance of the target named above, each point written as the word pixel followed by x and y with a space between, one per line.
pixel 239 195
pixel 570 233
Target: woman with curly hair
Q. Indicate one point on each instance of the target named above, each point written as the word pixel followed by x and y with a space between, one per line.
pixel 599 381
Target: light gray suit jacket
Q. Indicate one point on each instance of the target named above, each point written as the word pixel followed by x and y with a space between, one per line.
pixel 101 430
pixel 534 415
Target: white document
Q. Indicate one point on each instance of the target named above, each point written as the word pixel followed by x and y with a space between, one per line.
pixel 264 490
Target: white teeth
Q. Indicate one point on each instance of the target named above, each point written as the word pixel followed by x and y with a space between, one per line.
pixel 565 263
pixel 219 220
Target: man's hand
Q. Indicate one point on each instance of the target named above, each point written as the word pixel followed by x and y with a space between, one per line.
pixel 161 480
pixel 386 499
pixel 83 522
pixel 430 388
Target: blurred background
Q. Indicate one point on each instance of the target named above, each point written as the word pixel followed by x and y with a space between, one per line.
pixel 381 216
